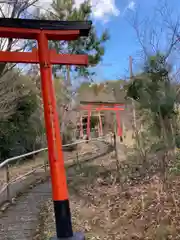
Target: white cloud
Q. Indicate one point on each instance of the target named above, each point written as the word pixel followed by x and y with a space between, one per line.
pixel 101 9
pixel 131 6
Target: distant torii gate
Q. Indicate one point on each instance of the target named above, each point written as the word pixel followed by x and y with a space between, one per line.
pixel 42 31
pixel 102 106
pixel 99 115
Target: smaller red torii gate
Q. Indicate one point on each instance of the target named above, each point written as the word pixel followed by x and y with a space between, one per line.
pixel 102 106
pixel 100 127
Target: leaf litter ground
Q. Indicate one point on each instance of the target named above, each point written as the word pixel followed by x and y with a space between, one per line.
pixel 102 210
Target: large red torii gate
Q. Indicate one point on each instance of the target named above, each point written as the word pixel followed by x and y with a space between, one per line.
pixel 102 106
pixel 42 31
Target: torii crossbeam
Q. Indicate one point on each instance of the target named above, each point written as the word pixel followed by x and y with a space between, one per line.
pixel 42 31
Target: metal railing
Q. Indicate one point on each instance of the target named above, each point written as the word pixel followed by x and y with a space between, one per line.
pixel 13 171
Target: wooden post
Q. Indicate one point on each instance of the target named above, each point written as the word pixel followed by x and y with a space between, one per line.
pixel 81 128
pixel 115 147
pixel 100 125
pixel 133 104
pixel 7 181
pixel 45 165
pixel 77 159
pixel 88 123
pixel 99 132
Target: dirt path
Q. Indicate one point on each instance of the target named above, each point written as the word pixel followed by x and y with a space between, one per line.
pixel 21 219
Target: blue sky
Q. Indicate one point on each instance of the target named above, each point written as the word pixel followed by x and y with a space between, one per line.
pixel 123 41
pixel 116 15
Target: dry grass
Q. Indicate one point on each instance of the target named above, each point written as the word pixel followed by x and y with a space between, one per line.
pixel 24 166
pixel 144 211
pixel 128 138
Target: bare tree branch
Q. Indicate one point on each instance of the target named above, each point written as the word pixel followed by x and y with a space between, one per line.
pixel 9 80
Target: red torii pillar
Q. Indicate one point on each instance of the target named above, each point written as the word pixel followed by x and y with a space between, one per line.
pixel 118 124
pixel 43 31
